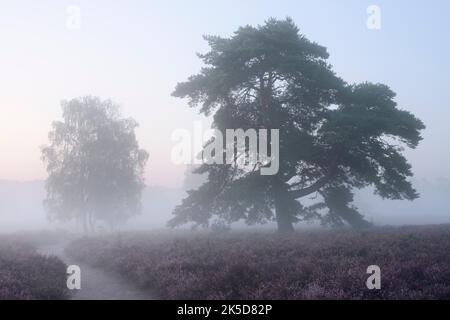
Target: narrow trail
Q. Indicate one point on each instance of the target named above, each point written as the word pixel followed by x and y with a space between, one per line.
pixel 97 284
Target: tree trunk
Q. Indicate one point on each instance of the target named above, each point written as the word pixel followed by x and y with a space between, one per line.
pixel 284 221
pixel 283 215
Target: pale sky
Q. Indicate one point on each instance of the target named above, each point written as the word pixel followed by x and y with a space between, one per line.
pixel 135 52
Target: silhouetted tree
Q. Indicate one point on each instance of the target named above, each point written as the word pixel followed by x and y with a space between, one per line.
pixel 94 164
pixel 334 137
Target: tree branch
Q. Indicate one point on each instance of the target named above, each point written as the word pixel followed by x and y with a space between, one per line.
pixel 308 190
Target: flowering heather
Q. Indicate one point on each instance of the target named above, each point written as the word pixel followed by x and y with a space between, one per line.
pixel 26 275
pixel 414 262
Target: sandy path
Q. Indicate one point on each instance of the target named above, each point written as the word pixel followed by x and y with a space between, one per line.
pixel 96 284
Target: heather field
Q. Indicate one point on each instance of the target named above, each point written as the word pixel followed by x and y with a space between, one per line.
pixel 414 262
pixel 27 275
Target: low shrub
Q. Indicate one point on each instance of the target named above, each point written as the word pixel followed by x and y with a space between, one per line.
pixel 414 262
